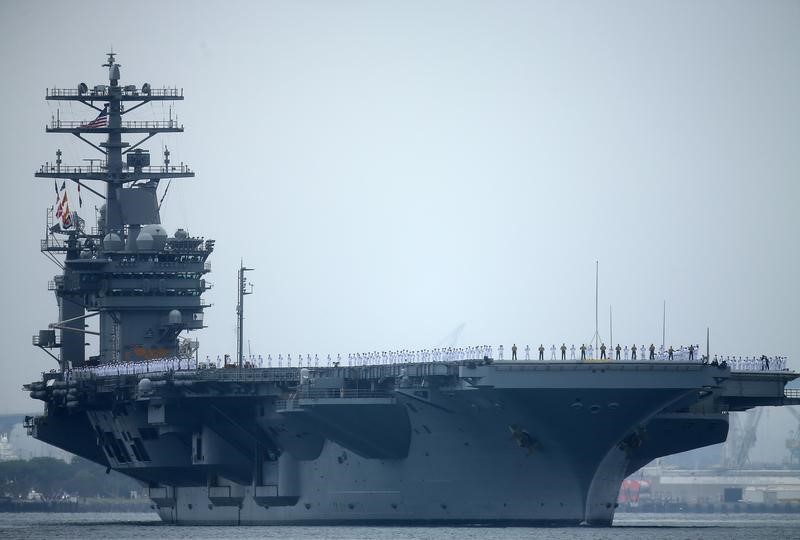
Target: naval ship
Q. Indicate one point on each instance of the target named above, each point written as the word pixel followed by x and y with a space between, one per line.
pixel 473 440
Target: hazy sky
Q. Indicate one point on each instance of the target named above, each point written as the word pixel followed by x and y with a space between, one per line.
pixel 395 169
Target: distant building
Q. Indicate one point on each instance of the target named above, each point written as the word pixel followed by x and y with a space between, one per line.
pixel 6 452
pixel 24 447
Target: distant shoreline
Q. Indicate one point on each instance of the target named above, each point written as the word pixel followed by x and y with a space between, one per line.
pixel 8 505
pixel 678 507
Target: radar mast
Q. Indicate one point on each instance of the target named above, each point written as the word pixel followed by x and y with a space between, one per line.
pixel 144 286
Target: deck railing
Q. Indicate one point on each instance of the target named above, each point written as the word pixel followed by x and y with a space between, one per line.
pixel 102 91
pixel 101 168
pixel 131 124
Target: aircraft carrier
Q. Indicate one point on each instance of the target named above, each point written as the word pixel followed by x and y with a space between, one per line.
pixel 474 440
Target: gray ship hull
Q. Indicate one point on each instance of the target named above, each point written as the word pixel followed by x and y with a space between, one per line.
pixel 514 443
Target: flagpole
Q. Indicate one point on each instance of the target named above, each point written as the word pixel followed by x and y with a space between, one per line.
pixel 596 337
pixel 596 296
pixel 610 327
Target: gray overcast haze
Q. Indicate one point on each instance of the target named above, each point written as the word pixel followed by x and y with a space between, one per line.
pixel 395 169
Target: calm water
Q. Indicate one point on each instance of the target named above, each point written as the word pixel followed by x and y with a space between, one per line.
pixel 626 526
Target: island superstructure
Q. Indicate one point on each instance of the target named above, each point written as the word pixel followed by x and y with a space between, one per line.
pixel 458 441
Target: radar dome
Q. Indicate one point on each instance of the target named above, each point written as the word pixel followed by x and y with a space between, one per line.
pixel 145 242
pixel 174 317
pixel 112 242
pixel 158 233
pixel 181 234
pixel 145 386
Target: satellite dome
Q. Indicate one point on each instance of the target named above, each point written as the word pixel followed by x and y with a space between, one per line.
pixel 144 242
pixel 158 233
pixel 174 317
pixel 112 242
pixel 181 234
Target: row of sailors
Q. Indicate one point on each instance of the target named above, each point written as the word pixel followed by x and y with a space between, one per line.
pixel 385 357
pixel 157 365
pixel 753 363
pixel 683 353
pixel 178 363
pixel 359 359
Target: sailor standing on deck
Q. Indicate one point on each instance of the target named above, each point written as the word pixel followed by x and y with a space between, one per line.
pixel 603 351
pixel 514 351
pixel 591 351
pixel 553 352
pixel 691 353
pixel 633 352
pixel 564 351
pixel 617 350
pixel 541 351
pixel 500 352
pixel 527 352
pixel 572 352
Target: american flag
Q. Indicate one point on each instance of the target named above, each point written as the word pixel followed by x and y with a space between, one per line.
pixel 100 122
pixel 63 206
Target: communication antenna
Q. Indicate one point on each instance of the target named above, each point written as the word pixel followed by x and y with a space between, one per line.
pixel 243 291
pixel 596 337
pixel 664 325
pixel 610 327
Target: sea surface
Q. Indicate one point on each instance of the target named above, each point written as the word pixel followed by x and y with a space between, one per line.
pixel 108 526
